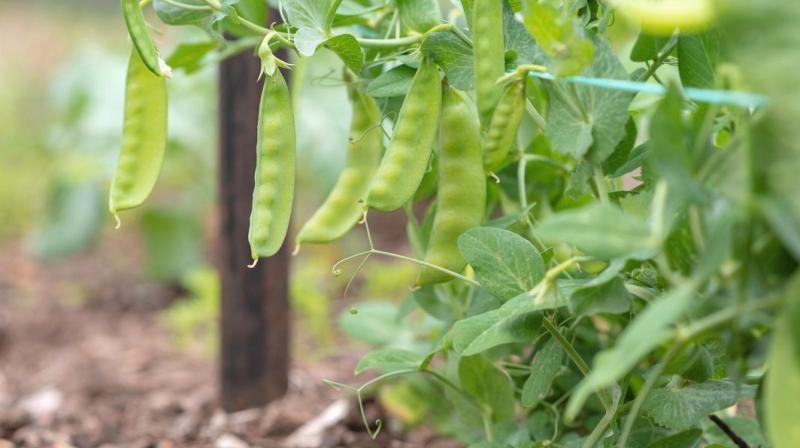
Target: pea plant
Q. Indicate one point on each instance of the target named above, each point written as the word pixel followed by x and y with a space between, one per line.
pixel 607 233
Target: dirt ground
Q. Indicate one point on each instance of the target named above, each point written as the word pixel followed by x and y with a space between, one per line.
pixel 86 362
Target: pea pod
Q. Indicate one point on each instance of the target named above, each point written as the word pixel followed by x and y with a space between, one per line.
pixel 462 187
pixel 406 160
pixel 137 28
pixel 489 57
pixel 344 205
pixel 503 127
pixel 144 137
pixel 275 169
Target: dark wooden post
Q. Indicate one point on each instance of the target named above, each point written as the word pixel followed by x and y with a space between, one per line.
pixel 254 324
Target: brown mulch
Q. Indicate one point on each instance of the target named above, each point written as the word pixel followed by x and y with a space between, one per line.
pixel 86 362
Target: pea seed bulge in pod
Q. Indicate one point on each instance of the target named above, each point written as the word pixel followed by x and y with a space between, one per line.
pixel 433 223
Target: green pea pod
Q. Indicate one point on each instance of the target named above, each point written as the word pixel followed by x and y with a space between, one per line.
pixel 406 160
pixel 344 205
pixel 144 137
pixel 137 28
pixel 462 187
pixel 502 132
pixel 489 56
pixel 275 169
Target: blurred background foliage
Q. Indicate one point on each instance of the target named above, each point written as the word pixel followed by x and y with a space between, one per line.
pixel 61 102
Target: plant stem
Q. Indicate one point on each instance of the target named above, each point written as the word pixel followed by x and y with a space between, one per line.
pixel 179 4
pixel 659 60
pixel 535 115
pixel 426 264
pixel 389 43
pixel 648 385
pixel 566 346
pixel 600 183
pixel 603 424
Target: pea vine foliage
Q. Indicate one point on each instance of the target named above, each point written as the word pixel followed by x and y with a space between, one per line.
pixel 558 303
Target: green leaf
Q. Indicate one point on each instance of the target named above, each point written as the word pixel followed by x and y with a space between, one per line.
pixel 698 55
pixel 684 439
pixel 174 241
pixel 545 367
pixel 394 82
pixel 388 360
pixel 375 323
pixel 505 263
pixel 348 49
pixel 622 153
pixel 189 56
pixel 307 40
pixel 308 13
pixel 487 384
pixel 517 40
pixel 669 154
pixel 428 299
pixel 312 19
pixel 647 47
pixel 602 231
pixel 453 55
pixel 419 15
pixel 681 408
pixel 610 297
pixel 648 330
pixel 75 215
pixel 517 320
pixel 777 212
pixel 175 15
pixel 587 120
pixel 782 385
pixel 560 35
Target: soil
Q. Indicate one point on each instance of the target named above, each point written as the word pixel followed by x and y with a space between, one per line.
pixel 86 362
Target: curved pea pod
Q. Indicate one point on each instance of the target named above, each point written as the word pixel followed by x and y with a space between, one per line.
pixel 489 56
pixel 137 28
pixel 344 205
pixel 507 116
pixel 462 187
pixel 144 137
pixel 275 169
pixel 406 160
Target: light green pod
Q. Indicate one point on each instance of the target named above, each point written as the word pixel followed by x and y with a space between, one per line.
pixel 345 203
pixel 409 153
pixel 462 187
pixel 507 116
pixel 275 169
pixel 489 55
pixel 144 137
pixel 137 28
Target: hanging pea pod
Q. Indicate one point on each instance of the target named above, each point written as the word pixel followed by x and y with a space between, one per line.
pixel 462 187
pixel 344 205
pixel 502 132
pixel 275 169
pixel 137 28
pixel 144 137
pixel 409 153
pixel 489 58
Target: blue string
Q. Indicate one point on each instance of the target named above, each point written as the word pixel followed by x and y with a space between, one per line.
pixel 701 95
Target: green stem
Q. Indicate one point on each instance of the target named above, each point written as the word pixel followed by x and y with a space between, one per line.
pixel 600 183
pixel 389 43
pixel 567 347
pixel 144 3
pixel 648 385
pixel 603 424
pixel 187 7
pixel 661 57
pixel 535 115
